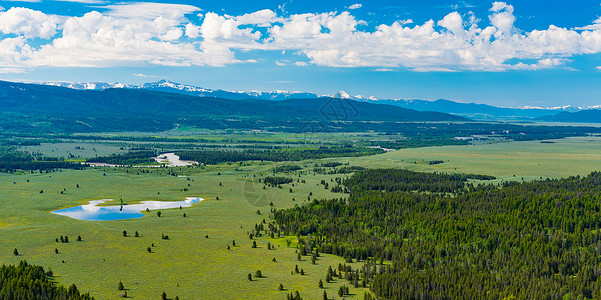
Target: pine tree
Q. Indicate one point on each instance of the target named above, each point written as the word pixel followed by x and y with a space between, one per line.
pixel 120 286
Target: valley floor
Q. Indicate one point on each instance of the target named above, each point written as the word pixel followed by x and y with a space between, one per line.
pixel 195 262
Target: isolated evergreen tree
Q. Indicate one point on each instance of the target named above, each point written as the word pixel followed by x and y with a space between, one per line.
pixel 258 274
pixel 320 284
pixel 16 252
pixel 120 286
pixel 250 277
pixel 254 244
pixel 149 249
pixel 124 233
pixel 159 213
pixel 79 238
pixel 164 296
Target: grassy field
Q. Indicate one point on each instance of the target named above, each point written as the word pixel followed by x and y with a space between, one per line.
pixel 189 264
pixel 530 160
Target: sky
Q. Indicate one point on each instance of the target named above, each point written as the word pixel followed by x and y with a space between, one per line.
pixel 512 54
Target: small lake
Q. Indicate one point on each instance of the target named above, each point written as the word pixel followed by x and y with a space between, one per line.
pixel 93 212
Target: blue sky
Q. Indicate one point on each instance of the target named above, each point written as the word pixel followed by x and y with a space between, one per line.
pixel 520 53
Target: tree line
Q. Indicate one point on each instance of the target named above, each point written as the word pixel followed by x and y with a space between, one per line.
pixel 437 236
pixel 26 281
pixel 211 157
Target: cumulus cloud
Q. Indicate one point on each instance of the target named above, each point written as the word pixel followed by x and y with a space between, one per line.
pixel 139 33
pixel 27 22
pixel 263 18
pixel 355 6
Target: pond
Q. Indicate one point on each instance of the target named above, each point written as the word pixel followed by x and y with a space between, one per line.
pixel 93 212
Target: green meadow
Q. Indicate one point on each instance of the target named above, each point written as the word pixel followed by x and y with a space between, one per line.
pixel 194 263
pixel 530 159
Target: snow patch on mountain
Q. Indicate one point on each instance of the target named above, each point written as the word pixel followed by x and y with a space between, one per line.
pixel 276 95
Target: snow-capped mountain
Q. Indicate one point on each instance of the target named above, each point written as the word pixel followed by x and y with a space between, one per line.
pixel 469 110
pixel 173 87
pixel 89 85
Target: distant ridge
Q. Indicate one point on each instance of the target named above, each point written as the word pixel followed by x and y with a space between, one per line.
pixel 173 87
pixel 585 116
pixel 144 110
pixel 469 110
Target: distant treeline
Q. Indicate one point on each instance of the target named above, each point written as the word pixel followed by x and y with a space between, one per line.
pixel 211 157
pixel 286 168
pixel 276 180
pixel 27 281
pixel 537 240
pixel 131 158
pixel 15 160
pixel 392 180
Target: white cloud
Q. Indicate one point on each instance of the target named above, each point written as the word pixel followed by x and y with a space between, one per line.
pixel 139 34
pixel 355 6
pixel 144 75
pixel 595 26
pixel 27 22
pixel 12 70
pixel 149 10
pixel 502 18
pixel 192 31
pixel 263 18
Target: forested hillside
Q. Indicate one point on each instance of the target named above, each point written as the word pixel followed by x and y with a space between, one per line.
pixel 538 240
pixel 27 281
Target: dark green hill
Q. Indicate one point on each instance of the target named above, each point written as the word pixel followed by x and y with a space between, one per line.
pixel 57 108
pixel 583 116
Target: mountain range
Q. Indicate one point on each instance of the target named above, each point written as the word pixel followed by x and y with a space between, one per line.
pixel 37 106
pixel 469 110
